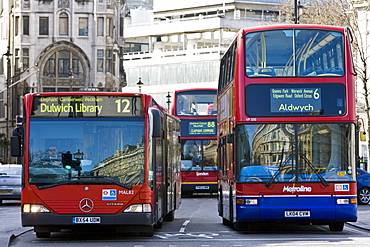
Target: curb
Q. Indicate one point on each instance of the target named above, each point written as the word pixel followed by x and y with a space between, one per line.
pixel 360 227
pixel 14 236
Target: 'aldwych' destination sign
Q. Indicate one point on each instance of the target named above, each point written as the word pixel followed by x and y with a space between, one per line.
pixel 295 99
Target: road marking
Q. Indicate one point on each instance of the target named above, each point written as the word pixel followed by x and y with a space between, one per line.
pixel 183 228
pixel 186 223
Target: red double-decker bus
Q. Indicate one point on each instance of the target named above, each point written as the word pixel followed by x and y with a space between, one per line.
pixel 97 161
pixel 196 109
pixel 286 127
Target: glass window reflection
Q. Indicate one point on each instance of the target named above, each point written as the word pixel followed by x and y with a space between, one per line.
pixel 110 148
pixel 295 152
pixel 199 155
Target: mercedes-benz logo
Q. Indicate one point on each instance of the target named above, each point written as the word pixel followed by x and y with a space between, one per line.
pixel 86 205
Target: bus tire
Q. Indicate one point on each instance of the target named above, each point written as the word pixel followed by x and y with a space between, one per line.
pixel 336 226
pixel 148 233
pixel 43 234
pixel 226 222
pixel 240 226
pixel 159 224
pixel 170 216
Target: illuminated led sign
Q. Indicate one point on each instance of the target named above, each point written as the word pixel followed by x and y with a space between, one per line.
pixel 206 127
pixel 86 106
pixel 316 99
pixel 295 100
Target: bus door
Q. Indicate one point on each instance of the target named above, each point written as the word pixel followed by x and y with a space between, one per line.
pixel 159 167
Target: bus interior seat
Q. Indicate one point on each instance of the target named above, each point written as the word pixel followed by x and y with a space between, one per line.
pixel 312 71
pixel 268 71
pixel 334 70
pixel 249 71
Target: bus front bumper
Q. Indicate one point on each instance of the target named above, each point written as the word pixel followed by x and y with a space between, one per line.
pixel 71 220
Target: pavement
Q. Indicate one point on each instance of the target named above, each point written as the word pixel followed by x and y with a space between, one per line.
pixel 11 225
pixel 363 217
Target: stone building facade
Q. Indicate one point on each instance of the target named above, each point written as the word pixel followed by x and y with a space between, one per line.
pixel 56 46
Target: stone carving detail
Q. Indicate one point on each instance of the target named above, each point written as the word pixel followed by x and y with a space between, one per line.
pixel 63 3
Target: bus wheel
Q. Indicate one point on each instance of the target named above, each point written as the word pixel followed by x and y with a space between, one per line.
pixel 336 226
pixel 170 216
pixel 43 234
pixel 226 222
pixel 159 224
pixel 148 233
pixel 240 226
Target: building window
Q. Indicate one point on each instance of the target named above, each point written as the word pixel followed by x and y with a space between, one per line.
pixel 26 58
pixel 26 25
pixel 63 24
pixel 114 65
pixel 17 66
pixel 83 26
pixel 16 31
pixel 44 26
pixel 109 27
pixel 109 61
pixel 100 61
pixel 2 105
pixel 121 20
pixel 60 63
pixel 100 26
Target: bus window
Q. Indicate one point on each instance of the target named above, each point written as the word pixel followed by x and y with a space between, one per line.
pixel 299 52
pixel 294 152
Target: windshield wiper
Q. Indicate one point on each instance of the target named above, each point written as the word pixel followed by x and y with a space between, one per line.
pixel 47 186
pixel 268 184
pixel 78 180
pixel 322 180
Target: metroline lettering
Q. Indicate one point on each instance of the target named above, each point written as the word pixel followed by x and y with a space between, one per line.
pixel 297 189
pixel 79 107
pixel 291 107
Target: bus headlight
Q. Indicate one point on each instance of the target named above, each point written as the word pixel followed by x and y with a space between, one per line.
pixel 35 208
pixel 139 208
pixel 342 201
pixel 347 201
pixel 247 201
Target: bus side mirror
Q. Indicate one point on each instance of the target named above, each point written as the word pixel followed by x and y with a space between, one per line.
pixel 230 138
pixel 16 146
pixel 157 124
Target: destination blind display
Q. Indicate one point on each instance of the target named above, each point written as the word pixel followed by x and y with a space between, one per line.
pixel 295 100
pixel 206 127
pixel 324 99
pixel 87 106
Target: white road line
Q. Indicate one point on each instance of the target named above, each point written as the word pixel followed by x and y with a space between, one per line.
pixel 186 223
pixel 183 228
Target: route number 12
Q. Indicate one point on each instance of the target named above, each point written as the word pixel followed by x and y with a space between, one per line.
pixel 123 105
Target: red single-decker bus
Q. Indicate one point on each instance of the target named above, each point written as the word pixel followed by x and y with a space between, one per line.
pixel 97 161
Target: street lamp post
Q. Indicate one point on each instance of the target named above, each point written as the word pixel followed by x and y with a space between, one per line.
pixel 7 54
pixel 297 9
pixel 168 101
pixel 139 84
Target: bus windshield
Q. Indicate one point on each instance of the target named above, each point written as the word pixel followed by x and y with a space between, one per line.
pixel 292 153
pixel 294 52
pixel 88 150
pixel 199 155
pixel 197 102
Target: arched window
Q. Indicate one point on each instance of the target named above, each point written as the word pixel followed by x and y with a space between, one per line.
pixel 61 63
